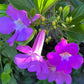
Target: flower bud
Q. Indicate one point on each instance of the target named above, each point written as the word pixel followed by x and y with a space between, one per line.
pixel 60 8
pixel 64 25
pixel 54 27
pixel 49 38
pixel 46 40
pixel 53 23
pixel 35 31
pixel 43 19
pixel 58 18
pixel 67 20
pixel 39 30
pixel 70 18
pixel 72 26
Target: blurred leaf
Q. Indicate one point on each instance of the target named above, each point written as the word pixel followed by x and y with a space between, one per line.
pixel 12 81
pixel 31 37
pixel 77 14
pixel 33 12
pixel 7 68
pixel 52 18
pixel 5 78
pixel 3 8
pixel 48 5
pixel 75 3
pixel 66 11
pixel 23 4
pixel 9 51
pixel 76 33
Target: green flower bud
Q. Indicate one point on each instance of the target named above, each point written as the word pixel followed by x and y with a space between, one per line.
pixel 72 26
pixel 43 19
pixel 67 20
pixel 64 25
pixel 53 23
pixel 39 30
pixel 49 38
pixel 71 18
pixel 58 18
pixel 60 8
pixel 35 31
pixel 54 27
pixel 46 40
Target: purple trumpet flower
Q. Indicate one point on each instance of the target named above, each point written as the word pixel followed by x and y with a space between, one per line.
pixel 59 76
pixel 32 59
pixel 18 22
pixel 66 57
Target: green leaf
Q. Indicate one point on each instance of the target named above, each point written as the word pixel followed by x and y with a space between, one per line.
pixel 48 5
pixel 23 4
pixel 76 33
pixel 12 81
pixel 66 11
pixel 77 14
pixel 33 12
pixel 7 68
pixel 9 51
pixel 5 78
pixel 75 3
pixel 30 38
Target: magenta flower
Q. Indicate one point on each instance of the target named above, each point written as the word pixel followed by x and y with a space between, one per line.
pixel 59 76
pixel 32 58
pixel 18 22
pixel 66 57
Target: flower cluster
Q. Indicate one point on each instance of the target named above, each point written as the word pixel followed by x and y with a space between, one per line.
pixel 59 64
pixel 17 21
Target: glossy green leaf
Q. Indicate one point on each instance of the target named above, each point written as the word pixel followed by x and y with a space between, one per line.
pixel 76 33
pixel 3 7
pixel 75 3
pixel 5 78
pixel 48 5
pixel 33 12
pixel 9 52
pixel 7 68
pixel 77 14
pixel 66 11
pixel 23 4
pixel 31 37
pixel 12 81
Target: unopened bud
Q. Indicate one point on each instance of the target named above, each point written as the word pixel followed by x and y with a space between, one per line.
pixel 54 27
pixel 49 38
pixel 35 31
pixel 39 30
pixel 43 19
pixel 46 40
pixel 64 25
pixel 67 20
pixel 60 8
pixel 58 18
pixel 72 26
pixel 53 23
pixel 70 18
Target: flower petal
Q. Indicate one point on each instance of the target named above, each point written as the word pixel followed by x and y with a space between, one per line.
pixel 60 45
pixel 64 66
pixel 24 34
pixel 37 16
pixel 38 44
pixel 76 61
pixel 18 14
pixel 72 48
pixel 54 58
pixel 6 25
pixel 34 66
pixel 42 76
pixel 12 39
pixel 61 77
pixel 24 49
pixel 22 60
